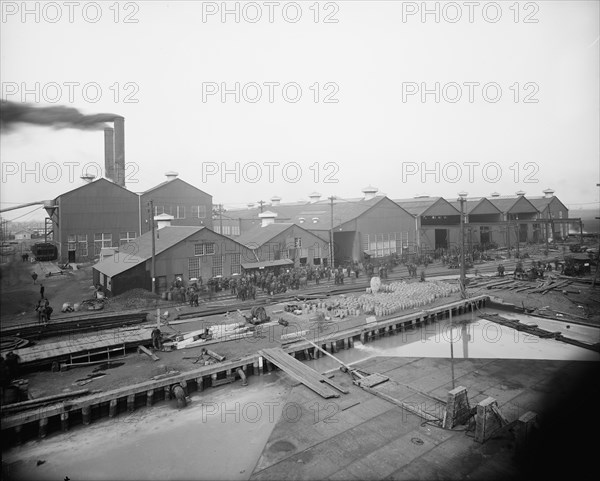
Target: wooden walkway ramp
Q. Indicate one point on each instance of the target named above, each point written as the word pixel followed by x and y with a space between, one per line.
pixel 302 373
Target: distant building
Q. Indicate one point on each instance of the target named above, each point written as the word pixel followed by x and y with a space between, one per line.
pixel 23 235
pixel 372 226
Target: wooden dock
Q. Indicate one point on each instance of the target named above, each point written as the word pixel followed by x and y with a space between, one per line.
pixel 16 427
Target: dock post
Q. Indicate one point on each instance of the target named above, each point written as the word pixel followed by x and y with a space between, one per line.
pixel 458 409
pixel 486 421
pixel 346 343
pixel 200 384
pixel 334 348
pixel 43 428
pixel 269 366
pixel 131 403
pixel 524 431
pixel 260 365
pixel 213 378
pixel 316 353
pixel 179 393
pixel 351 342
pixel 64 422
pixel 112 408
pixel 86 414
pixel 362 337
pixel 242 375
pixel 149 397
pixel 18 429
pixel 167 390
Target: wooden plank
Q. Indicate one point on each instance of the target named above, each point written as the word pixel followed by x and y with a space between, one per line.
pixel 148 353
pixel 296 370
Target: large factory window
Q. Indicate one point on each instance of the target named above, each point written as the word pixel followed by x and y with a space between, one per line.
pixel 101 240
pixel 193 268
pixel 198 211
pixel 83 245
pixel 204 249
pixel 126 237
pixel 236 264
pixel 217 269
pixel 179 211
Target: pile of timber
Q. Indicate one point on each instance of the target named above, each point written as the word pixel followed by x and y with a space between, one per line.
pixel 302 373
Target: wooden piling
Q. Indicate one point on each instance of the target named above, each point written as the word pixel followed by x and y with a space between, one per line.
pixel 86 414
pixel 131 403
pixel 64 422
pixel 149 397
pixel 112 408
pixel 43 427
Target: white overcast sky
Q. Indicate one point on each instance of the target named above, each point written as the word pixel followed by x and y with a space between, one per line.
pixel 371 135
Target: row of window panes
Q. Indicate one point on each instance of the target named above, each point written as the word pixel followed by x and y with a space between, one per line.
pixel 205 249
pixel 228 230
pixel 178 211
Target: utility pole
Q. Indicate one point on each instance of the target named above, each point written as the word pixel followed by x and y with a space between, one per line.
pixel 261 202
pixel 517 234
pixel 463 293
pixel 597 255
pixel 332 198
pixel 153 268
pixel 221 218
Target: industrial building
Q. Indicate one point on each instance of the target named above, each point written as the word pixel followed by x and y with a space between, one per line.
pixel 276 241
pixel 191 253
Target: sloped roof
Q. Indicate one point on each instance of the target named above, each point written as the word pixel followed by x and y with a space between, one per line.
pixel 506 204
pixel 423 205
pixel 542 202
pixel 344 210
pixel 140 249
pixel 261 235
pixel 471 204
pixel 263 264
pixel 95 183
pixel 177 179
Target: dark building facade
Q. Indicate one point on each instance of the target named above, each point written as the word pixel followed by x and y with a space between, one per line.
pixel 98 214
pixel 188 205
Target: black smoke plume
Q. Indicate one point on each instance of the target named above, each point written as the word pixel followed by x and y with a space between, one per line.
pixel 55 116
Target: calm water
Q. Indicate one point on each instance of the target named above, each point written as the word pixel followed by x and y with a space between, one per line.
pixel 221 434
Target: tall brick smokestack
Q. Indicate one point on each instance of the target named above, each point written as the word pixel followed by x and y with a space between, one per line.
pixel 119 124
pixel 109 153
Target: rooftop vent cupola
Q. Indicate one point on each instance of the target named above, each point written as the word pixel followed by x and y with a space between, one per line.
pixel 275 200
pixel 370 192
pixel 314 197
pixel 171 175
pixel 548 193
pixel 87 178
pixel 520 193
pixel 267 218
pixel 163 220
pixel 495 194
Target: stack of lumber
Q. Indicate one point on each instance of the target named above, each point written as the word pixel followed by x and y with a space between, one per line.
pixel 302 373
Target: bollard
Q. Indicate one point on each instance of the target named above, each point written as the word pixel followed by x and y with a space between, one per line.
pixel 131 403
pixel 86 414
pixel 64 422
pixel 112 408
pixel 149 397
pixel 43 428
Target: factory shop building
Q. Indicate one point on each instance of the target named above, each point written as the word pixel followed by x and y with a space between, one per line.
pixel 371 226
pixel 276 241
pixel 180 251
